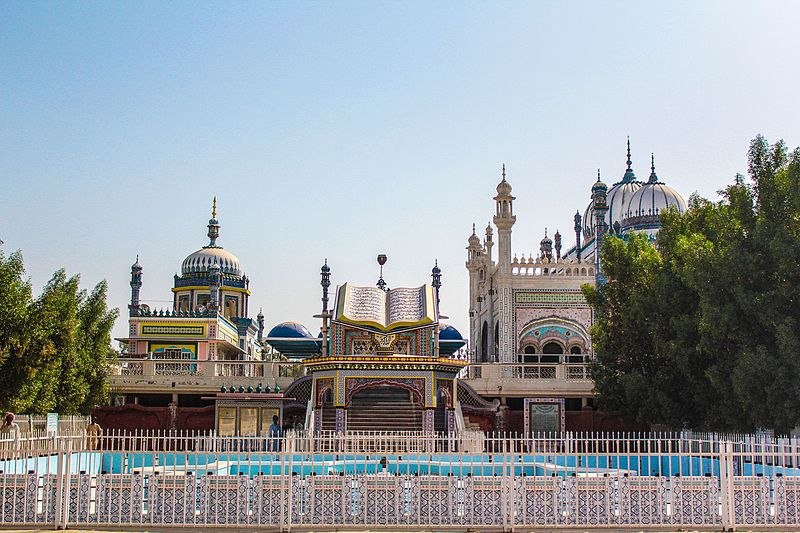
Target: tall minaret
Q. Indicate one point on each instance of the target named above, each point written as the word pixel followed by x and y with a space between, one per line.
pixel 504 219
pixel 489 242
pixel 557 241
pixel 136 285
pixel 473 265
pixel 325 282
pixel 578 235
pixel 599 190
pixel 436 274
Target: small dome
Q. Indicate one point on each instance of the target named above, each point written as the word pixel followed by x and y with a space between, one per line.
pixel 202 260
pixel 504 187
pixel 449 333
pixel 290 330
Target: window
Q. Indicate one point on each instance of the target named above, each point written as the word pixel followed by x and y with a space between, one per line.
pixel 576 350
pixel 529 349
pixel 552 348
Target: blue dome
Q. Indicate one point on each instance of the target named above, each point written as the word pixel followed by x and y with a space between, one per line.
pixel 449 333
pixel 289 330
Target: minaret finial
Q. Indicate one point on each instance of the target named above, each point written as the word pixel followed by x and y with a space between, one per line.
pixel 653 176
pixel 545 233
pixel 504 171
pixel 214 208
pixel 629 152
pixel 473 228
pixel 598 174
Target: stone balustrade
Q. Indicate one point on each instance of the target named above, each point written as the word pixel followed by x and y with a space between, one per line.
pixel 529 379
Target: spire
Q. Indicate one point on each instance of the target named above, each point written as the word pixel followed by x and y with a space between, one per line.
pixel 504 172
pixel 629 175
pixel 653 177
pixel 629 153
pixel 214 208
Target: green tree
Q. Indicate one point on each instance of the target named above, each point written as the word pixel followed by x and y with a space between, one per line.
pixel 55 349
pixel 702 330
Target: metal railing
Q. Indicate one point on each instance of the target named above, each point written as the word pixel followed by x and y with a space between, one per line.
pixel 370 480
pixel 527 371
pixel 194 367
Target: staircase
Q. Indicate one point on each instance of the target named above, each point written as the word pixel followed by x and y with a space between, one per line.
pixel 383 409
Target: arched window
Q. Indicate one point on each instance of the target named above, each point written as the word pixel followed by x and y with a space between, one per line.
pixel 575 350
pixel 529 349
pixel 552 348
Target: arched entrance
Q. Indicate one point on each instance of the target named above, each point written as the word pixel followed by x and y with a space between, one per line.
pixel 387 407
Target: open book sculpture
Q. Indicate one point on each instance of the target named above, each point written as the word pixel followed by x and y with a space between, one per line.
pixel 385 310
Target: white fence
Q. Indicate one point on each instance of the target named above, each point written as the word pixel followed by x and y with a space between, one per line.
pixel 412 480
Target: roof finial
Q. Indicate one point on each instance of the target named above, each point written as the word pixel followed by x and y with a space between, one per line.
pixel 545 233
pixel 504 171
pixel 214 208
pixel 598 175
pixel 473 228
pixel 137 258
pixel 653 177
pixel 629 152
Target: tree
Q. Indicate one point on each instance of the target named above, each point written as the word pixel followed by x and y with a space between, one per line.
pixel 702 330
pixel 56 349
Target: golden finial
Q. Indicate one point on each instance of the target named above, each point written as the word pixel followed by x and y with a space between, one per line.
pixel 214 208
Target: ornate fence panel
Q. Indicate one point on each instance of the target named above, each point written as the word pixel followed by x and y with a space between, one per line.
pixel 120 499
pixel 589 500
pixel 435 500
pixel 695 501
pixel 539 501
pixel 751 500
pixel 642 500
pixel 172 499
pixel 270 500
pixel 787 501
pixel 20 498
pixel 383 497
pixel 224 500
pixel 79 499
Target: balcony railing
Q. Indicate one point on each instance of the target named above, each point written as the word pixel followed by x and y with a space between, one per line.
pixel 131 371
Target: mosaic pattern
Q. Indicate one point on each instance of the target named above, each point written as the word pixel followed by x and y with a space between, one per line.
pixel 549 297
pixel 751 500
pixel 386 500
pixel 507 341
pixel 695 500
pixel 172 499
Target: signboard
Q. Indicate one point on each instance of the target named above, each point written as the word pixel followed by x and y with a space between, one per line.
pixel 544 415
pixel 52 423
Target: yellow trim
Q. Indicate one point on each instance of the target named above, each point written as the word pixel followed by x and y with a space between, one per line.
pixel 171 324
pixel 223 288
pixel 192 347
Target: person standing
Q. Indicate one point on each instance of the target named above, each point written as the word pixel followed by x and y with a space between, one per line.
pixel 93 434
pixel 275 434
pixel 10 431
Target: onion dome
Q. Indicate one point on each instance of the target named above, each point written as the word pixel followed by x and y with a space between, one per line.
pixel 504 187
pixel 202 260
pixel 136 265
pixel 649 201
pixel 290 330
pixel 474 241
pixel 450 340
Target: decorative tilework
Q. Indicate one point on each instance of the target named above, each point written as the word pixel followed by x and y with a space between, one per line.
pixel 507 341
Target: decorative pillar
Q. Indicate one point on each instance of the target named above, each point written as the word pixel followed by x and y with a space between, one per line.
pixel 325 274
pixel 436 274
pixel 216 275
pixel 341 420
pixel 427 421
pixel 599 190
pixel 577 229
pixel 507 342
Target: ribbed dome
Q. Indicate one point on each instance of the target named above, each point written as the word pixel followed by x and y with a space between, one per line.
pixel 290 330
pixel 200 261
pixel 647 203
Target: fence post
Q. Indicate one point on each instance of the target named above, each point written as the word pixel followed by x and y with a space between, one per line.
pixel 726 485
pixel 59 488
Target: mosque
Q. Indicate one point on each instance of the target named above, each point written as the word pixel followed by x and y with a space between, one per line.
pixel 383 358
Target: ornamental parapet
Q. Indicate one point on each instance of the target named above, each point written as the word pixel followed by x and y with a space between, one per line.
pixel 529 379
pixel 396 362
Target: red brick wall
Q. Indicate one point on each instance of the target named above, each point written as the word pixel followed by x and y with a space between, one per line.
pixel 132 417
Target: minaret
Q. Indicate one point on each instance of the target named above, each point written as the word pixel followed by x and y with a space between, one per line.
pixel 136 285
pixel 260 322
pixel 557 241
pixel 436 274
pixel 599 190
pixel 215 272
pixel 578 235
pixel 504 220
pixel 213 226
pixel 325 275
pixel 489 242
pixel 629 176
pixel 546 248
pixel 473 265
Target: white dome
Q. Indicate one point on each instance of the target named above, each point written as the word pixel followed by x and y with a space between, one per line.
pixel 651 199
pixel 201 261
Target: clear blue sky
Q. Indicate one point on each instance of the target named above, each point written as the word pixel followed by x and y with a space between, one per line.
pixel 345 129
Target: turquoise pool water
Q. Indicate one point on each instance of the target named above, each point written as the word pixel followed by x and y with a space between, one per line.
pixel 252 464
